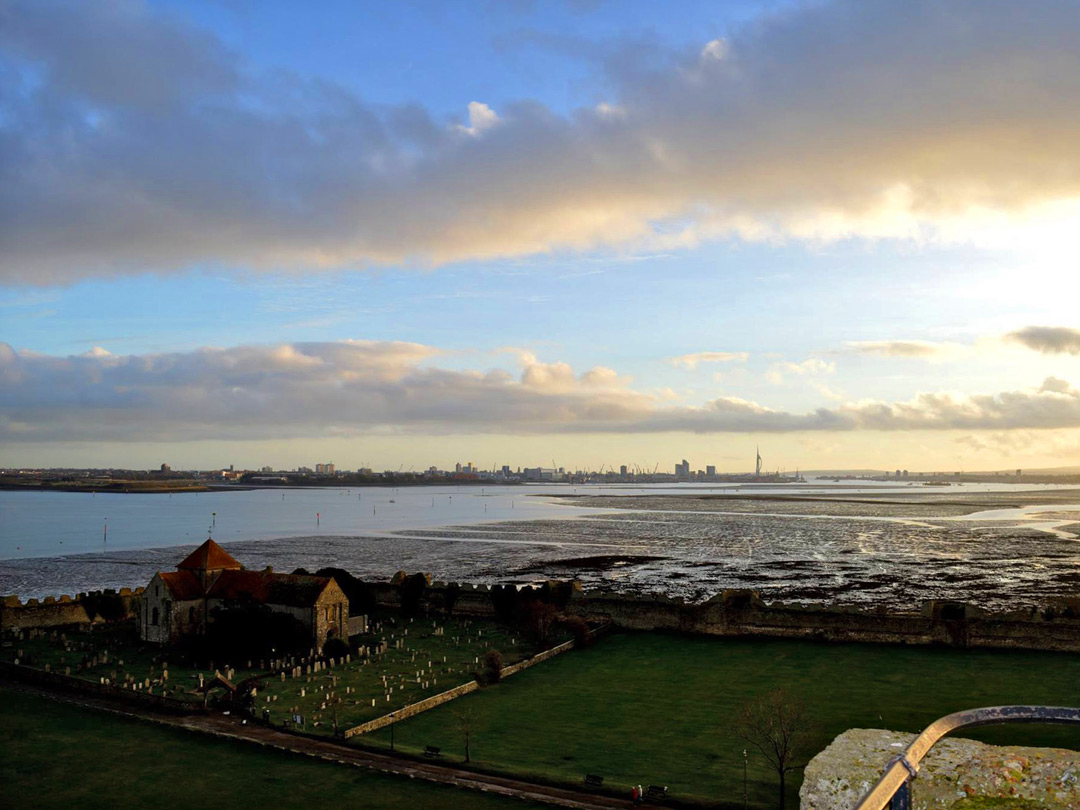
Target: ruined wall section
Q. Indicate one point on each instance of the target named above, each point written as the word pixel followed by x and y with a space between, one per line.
pixel 742 613
pixel 66 611
pixel 733 613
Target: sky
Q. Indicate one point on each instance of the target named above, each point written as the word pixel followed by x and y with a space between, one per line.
pixel 583 233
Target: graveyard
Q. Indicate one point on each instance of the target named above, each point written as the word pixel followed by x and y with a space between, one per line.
pixel 399 661
pixel 62 756
pixel 111 655
pixel 660 709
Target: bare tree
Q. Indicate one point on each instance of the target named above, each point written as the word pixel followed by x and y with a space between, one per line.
pixel 466 724
pixel 777 725
pixel 538 618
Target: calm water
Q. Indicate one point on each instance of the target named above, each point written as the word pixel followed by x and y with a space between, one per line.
pixel 54 542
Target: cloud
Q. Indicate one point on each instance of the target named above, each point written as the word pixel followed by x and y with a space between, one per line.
pixel 1063 444
pixel 481 117
pixel 692 361
pixel 1048 339
pixel 921 349
pixel 353 388
pixel 810 367
pixel 133 141
pixel 716 49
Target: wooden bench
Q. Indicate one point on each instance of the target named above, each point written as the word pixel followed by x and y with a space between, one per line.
pixel 656 792
pixel 432 751
pixel 593 781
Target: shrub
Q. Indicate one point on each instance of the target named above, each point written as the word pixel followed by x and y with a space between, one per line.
pixel 450 597
pixel 412 592
pixel 537 619
pixel 579 629
pixel 335 647
pixel 493 662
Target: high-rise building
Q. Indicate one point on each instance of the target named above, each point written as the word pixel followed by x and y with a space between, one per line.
pixel 682 471
pixel 710 469
pixel 622 470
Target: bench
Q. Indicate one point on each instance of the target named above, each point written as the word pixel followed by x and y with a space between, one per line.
pixel 593 781
pixel 655 792
pixel 431 751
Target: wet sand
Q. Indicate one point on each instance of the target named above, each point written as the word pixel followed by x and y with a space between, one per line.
pixel 992 549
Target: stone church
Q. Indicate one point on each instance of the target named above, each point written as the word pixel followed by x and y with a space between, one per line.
pixel 182 602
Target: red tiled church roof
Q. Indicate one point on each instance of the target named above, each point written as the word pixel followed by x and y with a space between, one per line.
pixel 183 585
pixel 209 557
pixel 236 584
pixel 269 588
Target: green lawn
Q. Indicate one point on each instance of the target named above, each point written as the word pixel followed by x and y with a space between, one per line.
pixel 648 707
pixel 60 756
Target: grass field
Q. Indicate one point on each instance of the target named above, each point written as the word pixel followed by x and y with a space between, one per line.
pixel 654 708
pixel 60 756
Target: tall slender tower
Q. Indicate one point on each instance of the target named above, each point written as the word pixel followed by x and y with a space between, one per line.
pixel 757 466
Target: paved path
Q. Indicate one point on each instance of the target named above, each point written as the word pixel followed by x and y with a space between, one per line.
pixel 232 728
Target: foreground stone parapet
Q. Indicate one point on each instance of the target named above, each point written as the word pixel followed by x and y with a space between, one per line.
pixel 955 769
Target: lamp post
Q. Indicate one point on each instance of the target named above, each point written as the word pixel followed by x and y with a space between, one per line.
pixel 392 731
pixel 744 779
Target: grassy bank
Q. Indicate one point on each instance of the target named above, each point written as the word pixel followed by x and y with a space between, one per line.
pixel 648 707
pixel 61 756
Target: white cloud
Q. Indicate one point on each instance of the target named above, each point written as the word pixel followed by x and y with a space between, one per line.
pixel 716 49
pixel 481 117
pixel 812 366
pixel 920 349
pixel 364 387
pixel 852 118
pixel 692 361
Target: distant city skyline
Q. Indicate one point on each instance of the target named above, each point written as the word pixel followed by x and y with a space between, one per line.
pixel 599 233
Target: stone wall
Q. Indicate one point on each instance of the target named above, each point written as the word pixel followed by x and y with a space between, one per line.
pixel 69 683
pixel 558 649
pixel 954 769
pixel 357 625
pixel 740 613
pixel 413 709
pixel 63 611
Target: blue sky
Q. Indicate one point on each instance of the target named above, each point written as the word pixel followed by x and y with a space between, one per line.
pixel 857 209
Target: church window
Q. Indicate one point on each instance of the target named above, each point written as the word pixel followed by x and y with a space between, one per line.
pixel 191 615
pixel 154 617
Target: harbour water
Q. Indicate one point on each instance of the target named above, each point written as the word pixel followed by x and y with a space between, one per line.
pixel 855 543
